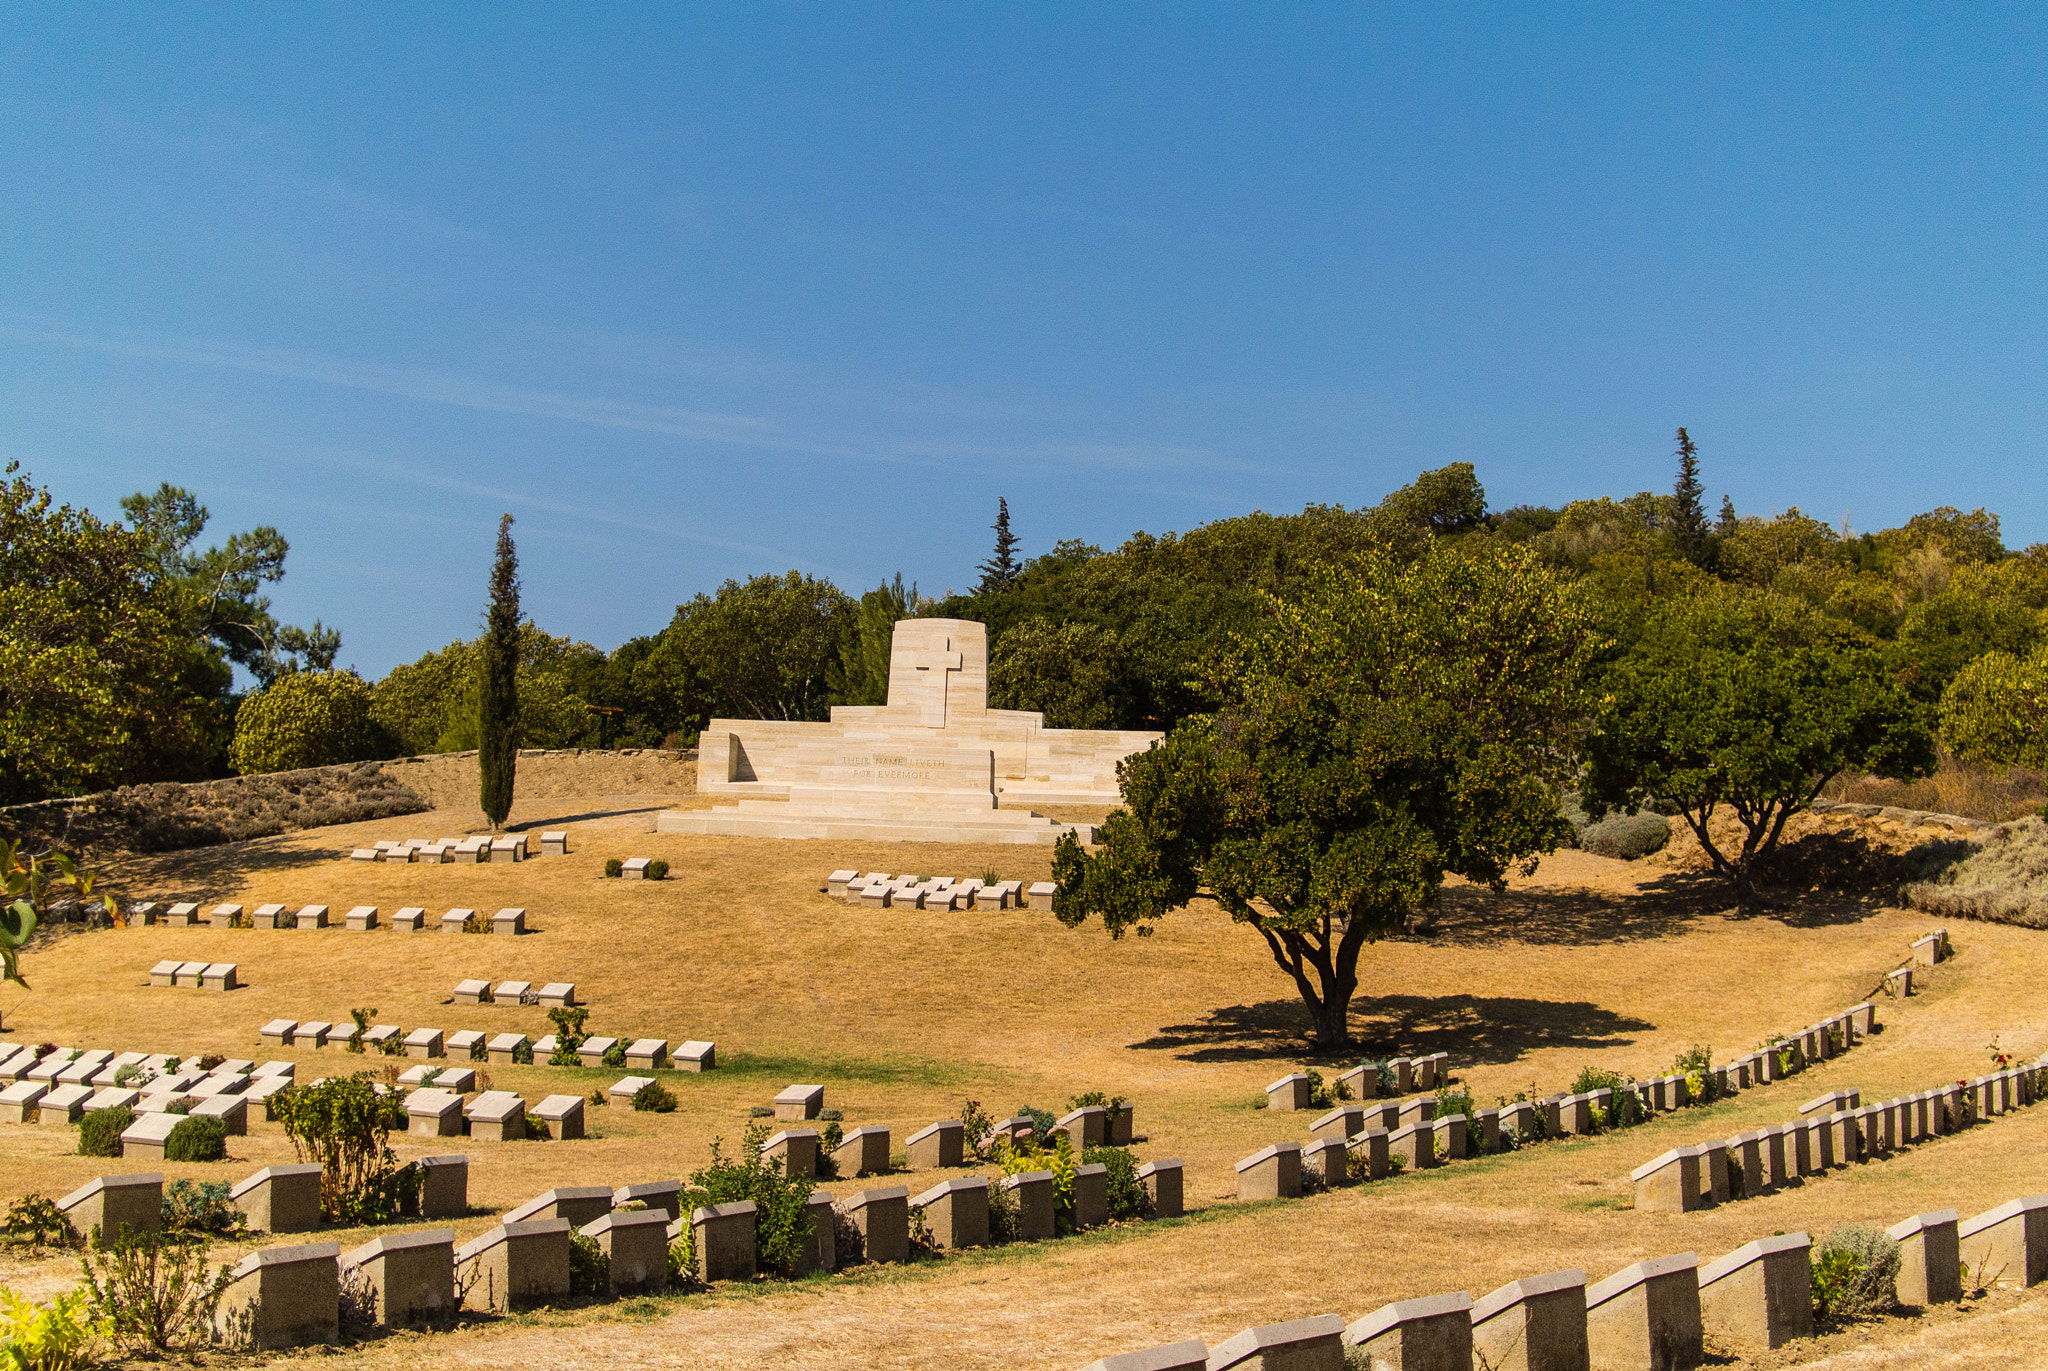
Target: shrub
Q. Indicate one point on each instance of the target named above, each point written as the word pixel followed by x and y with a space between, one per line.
pixel 1627 837
pixel 613 866
pixel 34 1220
pixel 1318 1090
pixel 1696 1064
pixel 682 1259
pixel 199 1207
pixel 1002 1213
pixel 132 1074
pixel 1042 1120
pixel 305 719
pixel 522 1055
pixel 154 1292
pixel 654 1098
pixel 657 870
pixel 1459 1101
pixel 51 1337
pixel 537 1129
pixel 1855 1273
pixel 363 1018
pixel 197 1139
pixel 2003 879
pixel 975 1126
pixel 1127 1199
pixel 345 1124
pixel 782 1223
pixel 211 1061
pixel 615 1055
pixel 99 1132
pixel 590 1271
pixel 479 1050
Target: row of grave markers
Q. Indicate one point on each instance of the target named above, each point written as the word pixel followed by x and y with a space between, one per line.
pixel 477 847
pixel 1835 1130
pixel 866 1151
pixel 1653 1316
pixel 63 1086
pixel 502 1049
pixel 879 890
pixel 362 918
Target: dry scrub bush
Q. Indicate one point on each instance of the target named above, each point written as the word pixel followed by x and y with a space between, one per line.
pixel 2005 880
pixel 1970 789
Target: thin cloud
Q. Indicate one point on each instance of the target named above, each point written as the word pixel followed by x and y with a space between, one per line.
pixel 737 430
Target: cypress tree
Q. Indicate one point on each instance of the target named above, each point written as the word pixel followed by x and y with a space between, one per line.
pixel 1728 522
pixel 497 723
pixel 999 573
pixel 1688 508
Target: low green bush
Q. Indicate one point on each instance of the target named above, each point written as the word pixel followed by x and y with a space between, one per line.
pixel 657 870
pixel 99 1132
pixel 1855 1273
pixel 654 1098
pixel 782 1220
pixel 613 866
pixel 1127 1198
pixel 34 1220
pixel 197 1139
pixel 615 1055
pixel 1627 837
pixel 590 1271
pixel 199 1207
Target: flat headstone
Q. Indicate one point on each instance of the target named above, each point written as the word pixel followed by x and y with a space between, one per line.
pixel 1536 1324
pixel 1930 1258
pixel 1759 1295
pixel 1310 1344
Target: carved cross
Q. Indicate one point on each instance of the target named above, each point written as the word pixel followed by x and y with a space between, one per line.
pixel 938 663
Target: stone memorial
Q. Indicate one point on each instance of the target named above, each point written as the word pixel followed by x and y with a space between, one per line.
pixel 411 919
pixel 1930 1258
pixel 144 1139
pixel 1314 1344
pixel 219 976
pixel 1087 1126
pixel 797 1102
pixel 579 1204
pixel 1646 1316
pixel 444 1191
pixel 1415 1145
pixel 1362 1081
pixel 1271 1173
pixel 1536 1324
pixel 1760 1295
pixel 940 1144
pixel 516 1263
pixel 1191 1355
pixel 1433 1334
pixel 1033 1193
pixel 281 1297
pixel 956 1212
pixel 280 1199
pixel 882 1218
pixel 647 1054
pixel 412 1275
pixel 935 764
pixel 1161 1181
pixel 112 1203
pixel 424 1044
pixel 1668 1184
pixel 432 1113
pixel 794 1151
pixel 558 995
pixel 1345 1121
pixel 1289 1092
pixel 496 1116
pixel 1327 1158
pixel 635 1245
pixel 694 1056
pixel 64 1104
pixel 2007 1246
pixel 1091 1195
pixel 863 1151
pixel 563 1114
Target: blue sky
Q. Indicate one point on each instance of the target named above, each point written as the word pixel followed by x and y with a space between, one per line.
pixel 705 291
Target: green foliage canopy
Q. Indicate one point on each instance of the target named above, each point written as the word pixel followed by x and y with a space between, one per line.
pixel 1073 672
pixel 1749 701
pixel 1398 722
pixel 1996 710
pixel 307 718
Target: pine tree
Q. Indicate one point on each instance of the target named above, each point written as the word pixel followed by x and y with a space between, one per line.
pixel 497 723
pixel 1727 523
pixel 999 573
pixel 1688 512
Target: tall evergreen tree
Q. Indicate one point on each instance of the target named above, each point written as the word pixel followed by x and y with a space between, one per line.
pixel 497 722
pixel 1688 510
pixel 1000 572
pixel 1727 523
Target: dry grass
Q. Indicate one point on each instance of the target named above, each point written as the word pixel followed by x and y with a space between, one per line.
pixel 2005 879
pixel 902 1014
pixel 1970 789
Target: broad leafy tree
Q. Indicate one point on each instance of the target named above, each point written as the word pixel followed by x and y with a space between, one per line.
pixel 765 649
pixel 1996 710
pixel 307 718
pixel 1749 704
pixel 1401 721
pixel 1073 673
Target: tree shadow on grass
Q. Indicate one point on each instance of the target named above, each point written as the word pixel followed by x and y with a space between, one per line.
pixel 157 875
pixel 1477 1030
pixel 525 825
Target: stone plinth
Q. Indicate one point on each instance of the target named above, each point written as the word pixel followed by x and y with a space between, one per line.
pixel 280 1199
pixel 882 1218
pixel 1179 1356
pixel 1327 1158
pixel 937 1145
pixel 1372 1145
pixel 1087 1126
pixel 1033 1193
pixel 112 1203
pixel 2008 1246
pixel 578 1204
pixel 282 1297
pixel 797 1102
pixel 1271 1173
pixel 956 1212
pixel 636 1245
pixel 1315 1344
pixel 444 1194
pixel 935 764
pixel 1930 1258
pixel 1091 1195
pixel 1433 1334
pixel 863 1152
pixel 432 1113
pixel 1760 1295
pixel 1161 1181
pixel 1342 1123
pixel 563 1114
pixel 796 1149
pixel 1646 1317
pixel 1537 1324
pixel 517 1263
pixel 412 1275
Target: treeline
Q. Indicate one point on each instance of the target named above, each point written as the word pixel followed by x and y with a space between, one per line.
pixel 118 639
